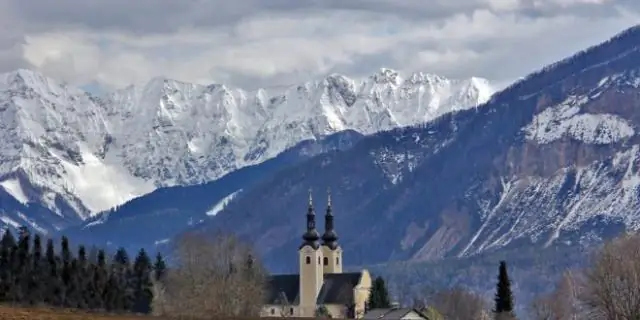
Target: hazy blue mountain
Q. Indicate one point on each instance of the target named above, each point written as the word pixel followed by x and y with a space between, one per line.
pixel 155 218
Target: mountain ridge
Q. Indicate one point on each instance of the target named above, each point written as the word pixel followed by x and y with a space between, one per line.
pixel 550 159
pixel 78 154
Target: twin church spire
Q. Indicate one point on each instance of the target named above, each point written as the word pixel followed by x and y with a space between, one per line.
pixel 311 236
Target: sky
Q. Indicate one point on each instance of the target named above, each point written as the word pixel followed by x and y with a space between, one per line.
pixel 107 44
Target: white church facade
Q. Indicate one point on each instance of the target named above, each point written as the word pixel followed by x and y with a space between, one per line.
pixel 320 287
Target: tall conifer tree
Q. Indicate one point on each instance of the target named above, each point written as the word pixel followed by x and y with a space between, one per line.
pixel 21 267
pixel 504 297
pixel 54 290
pixel 143 285
pixel 7 245
pixel 159 267
pixel 65 271
pixel 379 297
pixel 38 277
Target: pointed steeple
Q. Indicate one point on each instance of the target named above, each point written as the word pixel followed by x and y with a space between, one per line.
pixel 311 236
pixel 329 238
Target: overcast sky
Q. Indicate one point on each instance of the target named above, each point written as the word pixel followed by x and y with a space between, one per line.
pixel 251 43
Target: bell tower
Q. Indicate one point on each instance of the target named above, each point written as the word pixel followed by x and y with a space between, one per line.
pixel 331 250
pixel 310 261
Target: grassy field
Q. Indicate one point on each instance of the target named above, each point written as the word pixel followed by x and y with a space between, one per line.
pixel 19 313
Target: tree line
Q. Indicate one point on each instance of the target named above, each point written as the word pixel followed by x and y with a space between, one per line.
pixel 212 276
pixel 34 273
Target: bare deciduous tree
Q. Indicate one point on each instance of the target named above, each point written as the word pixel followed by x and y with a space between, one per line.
pixel 458 304
pixel 612 283
pixel 215 276
pixel 542 308
pixel 561 304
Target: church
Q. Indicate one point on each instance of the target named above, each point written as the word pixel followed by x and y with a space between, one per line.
pixel 320 287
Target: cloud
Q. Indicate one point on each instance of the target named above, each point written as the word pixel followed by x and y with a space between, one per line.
pixel 253 43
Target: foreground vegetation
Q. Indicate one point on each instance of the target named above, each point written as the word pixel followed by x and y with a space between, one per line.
pixel 85 280
pixel 218 276
pixel 40 313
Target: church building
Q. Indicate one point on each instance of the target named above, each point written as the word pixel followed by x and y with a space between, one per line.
pixel 320 287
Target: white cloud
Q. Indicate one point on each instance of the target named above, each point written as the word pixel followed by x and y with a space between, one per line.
pixel 253 43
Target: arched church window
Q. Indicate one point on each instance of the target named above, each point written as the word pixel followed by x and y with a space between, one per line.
pixel 326 261
pixel 291 311
pixel 273 311
pixel 337 260
pixel 308 260
pixel 318 260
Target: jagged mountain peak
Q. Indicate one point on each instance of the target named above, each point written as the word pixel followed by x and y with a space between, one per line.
pixel 36 82
pixel 66 143
pixel 386 75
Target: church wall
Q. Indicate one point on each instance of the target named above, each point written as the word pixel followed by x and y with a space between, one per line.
pixel 271 310
pixel 412 316
pixel 361 293
pixel 337 311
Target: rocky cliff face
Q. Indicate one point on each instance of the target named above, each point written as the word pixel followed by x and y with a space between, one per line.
pixel 550 160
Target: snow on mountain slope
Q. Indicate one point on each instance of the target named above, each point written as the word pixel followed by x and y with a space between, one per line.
pixel 78 155
pixel 552 160
pixel 51 133
pixel 565 119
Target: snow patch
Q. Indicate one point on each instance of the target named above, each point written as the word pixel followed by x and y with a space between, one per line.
pixel 100 186
pixel 565 120
pixel 34 225
pixel 222 204
pixel 10 222
pixel 13 187
pixel 161 241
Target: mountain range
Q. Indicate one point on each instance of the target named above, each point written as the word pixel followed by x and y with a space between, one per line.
pixel 421 169
pixel 70 157
pixel 550 161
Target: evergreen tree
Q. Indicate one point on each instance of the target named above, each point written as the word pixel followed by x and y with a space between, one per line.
pixel 30 276
pixel 159 267
pixel 7 245
pixel 66 272
pixel 21 267
pixel 82 279
pixel 38 275
pixel 112 293
pixel 142 283
pixel 504 297
pixel 119 290
pixel 379 297
pixel 54 290
pixel 98 282
pixel 73 287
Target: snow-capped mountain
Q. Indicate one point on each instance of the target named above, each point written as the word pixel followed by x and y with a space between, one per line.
pixel 551 160
pixel 78 155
